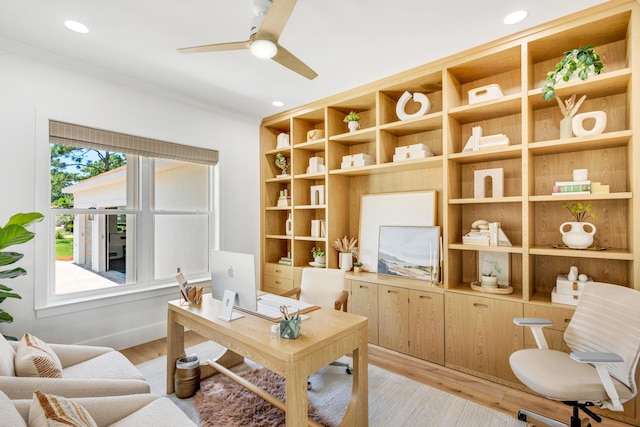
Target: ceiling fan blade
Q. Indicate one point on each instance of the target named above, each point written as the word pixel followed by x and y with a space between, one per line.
pixel 216 47
pixel 276 19
pixel 286 58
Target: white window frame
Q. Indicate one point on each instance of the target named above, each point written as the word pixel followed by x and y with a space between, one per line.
pixel 46 302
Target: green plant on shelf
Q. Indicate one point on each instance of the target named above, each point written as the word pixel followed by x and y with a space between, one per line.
pixel 317 252
pixel 281 162
pixel 579 211
pixel 351 117
pixel 584 61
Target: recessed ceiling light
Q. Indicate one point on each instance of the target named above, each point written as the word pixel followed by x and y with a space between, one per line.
pixel 76 26
pixel 515 17
pixel 277 103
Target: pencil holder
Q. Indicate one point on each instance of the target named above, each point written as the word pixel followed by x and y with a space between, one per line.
pixel 290 328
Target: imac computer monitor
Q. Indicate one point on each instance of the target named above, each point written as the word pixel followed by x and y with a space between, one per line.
pixel 235 272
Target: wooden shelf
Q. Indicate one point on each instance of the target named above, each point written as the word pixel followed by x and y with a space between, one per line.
pixel 473 201
pixel 357 137
pixel 570 145
pixel 466 247
pixel 583 197
pixel 507 105
pixel 420 124
pixel 405 165
pixel 613 254
pixel 487 154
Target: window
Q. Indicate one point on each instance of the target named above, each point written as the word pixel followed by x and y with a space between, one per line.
pixel 126 212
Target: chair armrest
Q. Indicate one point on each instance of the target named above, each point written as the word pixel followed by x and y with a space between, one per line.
pixel 293 293
pixel 535 324
pixel 600 360
pixel 72 354
pixel 23 387
pixel 342 301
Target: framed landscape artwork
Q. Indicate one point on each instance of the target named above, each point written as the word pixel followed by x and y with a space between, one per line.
pixel 411 252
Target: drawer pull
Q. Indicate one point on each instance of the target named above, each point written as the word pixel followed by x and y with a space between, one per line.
pixel 477 304
pixel 389 291
pixel 567 320
pixel 425 297
pixel 278 271
pixel 364 287
pixel 278 282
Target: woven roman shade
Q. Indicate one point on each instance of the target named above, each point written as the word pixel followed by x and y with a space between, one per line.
pixel 71 135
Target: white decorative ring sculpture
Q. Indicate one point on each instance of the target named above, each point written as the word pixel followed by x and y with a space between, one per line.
pixel 578 123
pixel 419 98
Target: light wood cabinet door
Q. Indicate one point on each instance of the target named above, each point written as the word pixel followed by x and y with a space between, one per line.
pixel 560 316
pixel 364 302
pixel 393 309
pixel 426 326
pixel 481 335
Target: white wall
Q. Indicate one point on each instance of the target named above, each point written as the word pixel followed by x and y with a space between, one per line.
pixel 37 85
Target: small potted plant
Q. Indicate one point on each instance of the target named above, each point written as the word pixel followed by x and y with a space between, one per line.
pixel 357 266
pixel 319 257
pixel 578 237
pixel 353 121
pixel 583 61
pixel 489 277
pixel 281 162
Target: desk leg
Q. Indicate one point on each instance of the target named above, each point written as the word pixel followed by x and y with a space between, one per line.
pixel 357 414
pixel 175 348
pixel 297 399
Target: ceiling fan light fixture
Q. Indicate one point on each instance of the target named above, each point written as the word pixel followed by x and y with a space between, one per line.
pixel 263 49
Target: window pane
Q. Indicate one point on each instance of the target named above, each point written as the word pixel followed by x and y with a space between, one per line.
pixel 91 252
pixel 181 241
pixel 181 186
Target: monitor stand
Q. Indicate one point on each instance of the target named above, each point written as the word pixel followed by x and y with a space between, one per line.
pixel 226 311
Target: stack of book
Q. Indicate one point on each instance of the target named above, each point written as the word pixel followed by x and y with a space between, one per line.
pixel 563 188
pixel 285 261
pixel 476 237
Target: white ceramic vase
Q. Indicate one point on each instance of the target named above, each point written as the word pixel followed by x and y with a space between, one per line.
pixel 489 281
pixel 288 226
pixel 345 261
pixel 577 237
pixel 353 126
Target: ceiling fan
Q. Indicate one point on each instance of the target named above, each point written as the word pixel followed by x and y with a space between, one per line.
pixel 266 27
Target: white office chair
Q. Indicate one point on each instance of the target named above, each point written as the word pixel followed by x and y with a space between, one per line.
pixel 323 287
pixel 604 337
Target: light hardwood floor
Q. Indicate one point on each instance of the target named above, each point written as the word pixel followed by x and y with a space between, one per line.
pixel 487 393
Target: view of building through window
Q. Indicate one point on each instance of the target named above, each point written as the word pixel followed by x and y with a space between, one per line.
pixel 112 210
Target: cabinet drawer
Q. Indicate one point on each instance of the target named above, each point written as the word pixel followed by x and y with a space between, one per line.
pixel 277 285
pixel 560 316
pixel 278 270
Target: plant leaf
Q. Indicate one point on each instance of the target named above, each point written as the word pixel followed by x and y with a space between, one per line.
pixel 7 258
pixel 12 274
pixel 25 219
pixel 5 317
pixel 13 234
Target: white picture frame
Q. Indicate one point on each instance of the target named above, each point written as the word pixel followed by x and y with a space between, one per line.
pixel 408 209
pixel 486 260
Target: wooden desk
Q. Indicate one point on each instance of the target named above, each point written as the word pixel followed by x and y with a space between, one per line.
pixel 326 336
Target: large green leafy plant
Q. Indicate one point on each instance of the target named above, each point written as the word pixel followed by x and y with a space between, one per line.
pixel 13 233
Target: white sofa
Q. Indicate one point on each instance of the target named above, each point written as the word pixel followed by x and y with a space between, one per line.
pixel 86 371
pixel 114 411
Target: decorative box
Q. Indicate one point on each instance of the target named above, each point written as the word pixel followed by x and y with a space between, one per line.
pixel 355 160
pixel 415 151
pixel 564 298
pixel 568 287
pixel 485 93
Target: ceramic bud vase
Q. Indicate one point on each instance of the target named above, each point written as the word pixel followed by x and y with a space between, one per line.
pixel 577 237
pixel 345 261
pixel 288 226
pixel 353 126
pixel 566 127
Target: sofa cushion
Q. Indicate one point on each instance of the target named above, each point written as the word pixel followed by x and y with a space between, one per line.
pixel 111 365
pixel 34 358
pixel 160 412
pixel 48 410
pixel 10 416
pixel 7 355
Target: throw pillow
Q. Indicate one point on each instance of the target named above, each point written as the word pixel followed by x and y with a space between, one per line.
pixel 7 354
pixel 48 410
pixel 34 358
pixel 10 416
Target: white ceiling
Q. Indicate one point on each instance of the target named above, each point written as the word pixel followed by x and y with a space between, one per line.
pixel 347 42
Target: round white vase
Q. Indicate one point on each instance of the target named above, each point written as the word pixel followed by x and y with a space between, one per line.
pixel 577 237
pixel 353 126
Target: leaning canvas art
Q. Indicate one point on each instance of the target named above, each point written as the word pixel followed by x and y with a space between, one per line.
pixel 408 251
